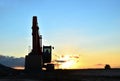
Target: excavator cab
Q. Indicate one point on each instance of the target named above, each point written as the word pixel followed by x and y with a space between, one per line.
pixel 47 51
pixel 47 56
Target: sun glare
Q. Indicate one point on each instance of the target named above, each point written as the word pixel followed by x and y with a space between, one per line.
pixel 67 62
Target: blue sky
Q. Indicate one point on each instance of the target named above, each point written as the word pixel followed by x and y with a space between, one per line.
pixel 85 27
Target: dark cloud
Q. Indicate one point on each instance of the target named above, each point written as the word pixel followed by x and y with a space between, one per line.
pixel 60 61
pixel 11 61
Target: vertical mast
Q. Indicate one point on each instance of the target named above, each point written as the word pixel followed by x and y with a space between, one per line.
pixel 36 39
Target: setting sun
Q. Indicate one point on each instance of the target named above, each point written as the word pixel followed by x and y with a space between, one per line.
pixel 67 62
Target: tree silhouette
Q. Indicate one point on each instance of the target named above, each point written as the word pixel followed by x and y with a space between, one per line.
pixel 107 66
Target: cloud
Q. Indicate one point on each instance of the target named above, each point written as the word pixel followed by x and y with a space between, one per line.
pixel 60 61
pixel 99 65
pixel 11 61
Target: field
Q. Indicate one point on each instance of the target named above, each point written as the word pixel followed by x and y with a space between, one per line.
pixel 67 75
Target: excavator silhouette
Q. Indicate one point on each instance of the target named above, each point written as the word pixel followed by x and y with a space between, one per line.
pixel 39 57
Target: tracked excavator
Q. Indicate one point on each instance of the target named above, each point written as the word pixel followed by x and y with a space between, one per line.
pixel 40 56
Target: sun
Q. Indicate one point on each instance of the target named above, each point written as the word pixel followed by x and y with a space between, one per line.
pixel 67 62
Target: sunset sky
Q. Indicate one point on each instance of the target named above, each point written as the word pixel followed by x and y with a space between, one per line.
pixel 84 32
